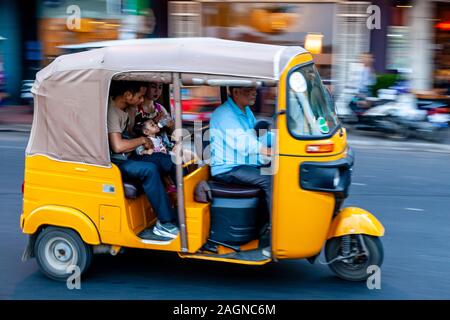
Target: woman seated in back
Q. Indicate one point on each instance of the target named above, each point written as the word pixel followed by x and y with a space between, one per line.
pixel 152 110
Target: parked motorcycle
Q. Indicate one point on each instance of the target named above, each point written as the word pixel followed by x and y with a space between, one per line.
pixel 397 114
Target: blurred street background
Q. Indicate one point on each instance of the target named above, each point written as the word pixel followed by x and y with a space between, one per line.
pixel 387 64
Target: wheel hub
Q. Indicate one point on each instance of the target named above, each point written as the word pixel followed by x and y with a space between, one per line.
pixel 62 251
pixel 60 254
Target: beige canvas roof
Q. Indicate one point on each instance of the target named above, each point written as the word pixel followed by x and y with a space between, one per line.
pixel 197 55
pixel 71 94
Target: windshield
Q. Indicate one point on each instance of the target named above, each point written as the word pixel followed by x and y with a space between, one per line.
pixel 310 108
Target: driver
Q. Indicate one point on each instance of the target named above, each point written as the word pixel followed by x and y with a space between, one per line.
pixel 236 151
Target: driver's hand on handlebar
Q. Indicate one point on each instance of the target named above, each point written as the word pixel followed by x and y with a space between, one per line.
pixel 266 151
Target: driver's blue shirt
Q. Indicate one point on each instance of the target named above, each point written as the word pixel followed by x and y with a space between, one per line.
pixel 233 141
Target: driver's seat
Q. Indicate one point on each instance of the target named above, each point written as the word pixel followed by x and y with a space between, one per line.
pixel 225 190
pixel 235 211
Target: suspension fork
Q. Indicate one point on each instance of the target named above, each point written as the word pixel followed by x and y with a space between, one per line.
pixel 346 249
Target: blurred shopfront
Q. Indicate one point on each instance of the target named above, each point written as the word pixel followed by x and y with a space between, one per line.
pixel 99 20
pixel 418 43
pixel 19 49
pixel 31 32
pixel 283 23
pixel 309 24
pixel 336 32
pixel 442 46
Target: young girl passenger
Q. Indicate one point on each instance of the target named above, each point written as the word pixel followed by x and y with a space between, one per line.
pixel 150 109
pixel 158 154
pixel 150 129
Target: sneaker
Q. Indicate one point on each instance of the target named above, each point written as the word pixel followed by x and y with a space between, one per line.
pixel 148 234
pixel 165 230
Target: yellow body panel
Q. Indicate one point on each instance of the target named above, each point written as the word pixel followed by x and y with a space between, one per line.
pixel 115 220
pixel 197 214
pixel 63 217
pixel 110 218
pixel 353 220
pixel 95 192
pixel 300 218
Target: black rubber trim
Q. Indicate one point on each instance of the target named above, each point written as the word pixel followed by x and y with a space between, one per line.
pixel 318 176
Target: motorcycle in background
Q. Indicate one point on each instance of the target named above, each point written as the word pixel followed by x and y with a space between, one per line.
pixel 397 114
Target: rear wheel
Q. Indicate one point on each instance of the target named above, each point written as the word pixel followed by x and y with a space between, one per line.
pixel 59 250
pixel 351 255
pixel 436 135
pixel 396 131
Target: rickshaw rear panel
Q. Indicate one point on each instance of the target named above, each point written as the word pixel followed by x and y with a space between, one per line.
pixel 95 192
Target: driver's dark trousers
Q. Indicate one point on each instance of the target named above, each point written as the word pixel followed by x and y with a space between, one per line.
pixel 249 176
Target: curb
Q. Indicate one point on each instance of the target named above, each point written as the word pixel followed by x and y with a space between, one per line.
pixel 400 146
pixel 15 128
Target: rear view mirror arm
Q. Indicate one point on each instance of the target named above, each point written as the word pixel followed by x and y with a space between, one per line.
pixel 278 113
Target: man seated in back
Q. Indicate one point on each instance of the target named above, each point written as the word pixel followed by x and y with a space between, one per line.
pixel 123 95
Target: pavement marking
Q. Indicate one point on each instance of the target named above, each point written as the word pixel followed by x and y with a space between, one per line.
pixel 358 184
pixel 414 209
pixel 13 147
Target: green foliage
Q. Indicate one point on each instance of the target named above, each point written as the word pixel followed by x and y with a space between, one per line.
pixel 384 81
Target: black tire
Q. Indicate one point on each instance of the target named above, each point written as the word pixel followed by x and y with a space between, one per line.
pixel 354 272
pixel 58 248
pixel 437 135
pixel 399 132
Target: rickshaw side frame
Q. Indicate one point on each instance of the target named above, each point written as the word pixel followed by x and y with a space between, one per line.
pixel 181 243
pixel 31 224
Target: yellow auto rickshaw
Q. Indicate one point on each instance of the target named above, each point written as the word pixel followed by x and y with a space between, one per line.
pixel 76 204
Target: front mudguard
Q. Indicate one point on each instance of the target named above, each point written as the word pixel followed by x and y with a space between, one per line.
pixel 354 220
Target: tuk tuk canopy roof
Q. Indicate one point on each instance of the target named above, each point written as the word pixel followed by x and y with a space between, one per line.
pixel 185 55
pixel 71 93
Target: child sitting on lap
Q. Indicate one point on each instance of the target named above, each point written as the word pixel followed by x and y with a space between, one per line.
pixel 158 154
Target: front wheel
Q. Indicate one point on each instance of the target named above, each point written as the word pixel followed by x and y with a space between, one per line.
pixel 436 135
pixel 350 256
pixel 59 251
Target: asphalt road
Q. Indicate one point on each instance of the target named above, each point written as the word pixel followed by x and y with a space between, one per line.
pixel 408 191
